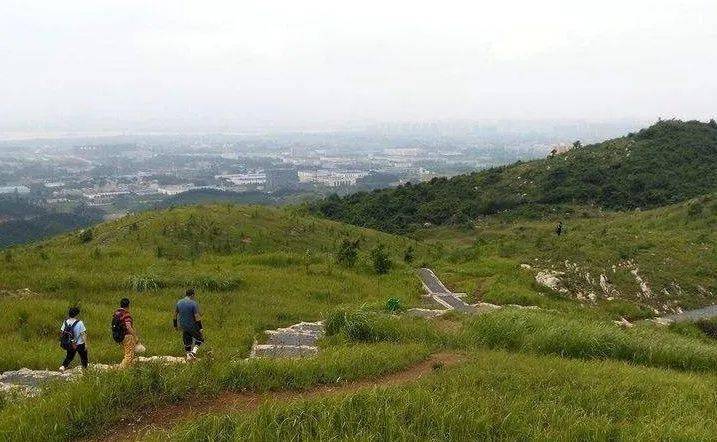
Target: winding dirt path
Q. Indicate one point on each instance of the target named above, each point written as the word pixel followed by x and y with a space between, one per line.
pixel 166 417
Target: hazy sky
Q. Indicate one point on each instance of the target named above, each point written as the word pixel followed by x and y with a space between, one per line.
pixel 130 64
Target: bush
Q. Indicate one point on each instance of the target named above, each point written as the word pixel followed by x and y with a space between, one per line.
pixel 348 252
pixel 708 327
pixel 695 209
pixel 394 305
pixel 86 236
pixel 408 255
pixel 380 259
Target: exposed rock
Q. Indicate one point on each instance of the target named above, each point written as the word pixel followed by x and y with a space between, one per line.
pixel 162 359
pixel 525 266
pixel 624 323
pixel 605 285
pixel 524 307
pixel 283 351
pixel 550 279
pixel 425 313
pixel 644 288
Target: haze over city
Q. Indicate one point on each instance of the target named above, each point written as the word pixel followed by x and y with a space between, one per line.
pixel 180 66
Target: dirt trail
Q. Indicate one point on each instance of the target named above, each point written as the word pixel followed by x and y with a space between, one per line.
pixel 166 417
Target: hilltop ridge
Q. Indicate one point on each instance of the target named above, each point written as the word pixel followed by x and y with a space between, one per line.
pixel 666 163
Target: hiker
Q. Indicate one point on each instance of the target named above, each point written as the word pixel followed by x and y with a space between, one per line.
pixel 188 319
pixel 123 332
pixel 73 339
pixel 559 228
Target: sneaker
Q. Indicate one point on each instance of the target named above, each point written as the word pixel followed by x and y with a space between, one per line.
pixel 62 368
pixel 190 356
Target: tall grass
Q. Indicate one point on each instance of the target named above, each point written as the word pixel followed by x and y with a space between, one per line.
pixel 81 408
pixel 497 396
pixel 548 333
pixel 538 332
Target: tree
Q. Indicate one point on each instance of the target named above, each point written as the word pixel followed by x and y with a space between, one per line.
pixel 713 124
pixel 577 144
pixel 348 252
pixel 380 259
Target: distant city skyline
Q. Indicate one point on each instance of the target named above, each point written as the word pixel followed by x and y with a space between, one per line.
pixel 184 66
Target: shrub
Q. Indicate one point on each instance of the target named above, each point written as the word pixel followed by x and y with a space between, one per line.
pixel 708 327
pixel 348 252
pixel 695 209
pixel 408 255
pixel 86 236
pixel 380 259
pixel 394 305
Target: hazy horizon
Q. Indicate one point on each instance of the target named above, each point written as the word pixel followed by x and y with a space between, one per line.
pixel 230 66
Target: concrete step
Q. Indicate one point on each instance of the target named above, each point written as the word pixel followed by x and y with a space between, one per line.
pixel 286 337
pixel 308 327
pixel 283 351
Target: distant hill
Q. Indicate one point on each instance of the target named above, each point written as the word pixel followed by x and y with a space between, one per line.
pixel 216 196
pixel 666 163
pixel 209 196
pixel 22 221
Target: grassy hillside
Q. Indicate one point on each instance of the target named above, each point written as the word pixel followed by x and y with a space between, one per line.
pixel 671 250
pixel 254 268
pixel 666 163
pixel 496 396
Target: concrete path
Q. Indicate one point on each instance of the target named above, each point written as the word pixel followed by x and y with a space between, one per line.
pixel 690 315
pixel 437 291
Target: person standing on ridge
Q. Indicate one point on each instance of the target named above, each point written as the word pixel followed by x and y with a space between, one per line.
pixel 123 332
pixel 73 339
pixel 188 319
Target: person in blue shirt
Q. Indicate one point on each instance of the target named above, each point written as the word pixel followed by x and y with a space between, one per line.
pixel 188 319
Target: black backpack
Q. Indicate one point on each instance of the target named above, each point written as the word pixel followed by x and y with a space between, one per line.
pixel 67 335
pixel 118 328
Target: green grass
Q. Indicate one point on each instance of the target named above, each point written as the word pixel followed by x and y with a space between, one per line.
pixel 673 247
pixel 539 332
pixel 497 396
pixel 254 268
pixel 65 412
pixel 260 268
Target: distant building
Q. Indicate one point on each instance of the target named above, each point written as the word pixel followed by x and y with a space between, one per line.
pixel 20 190
pixel 278 179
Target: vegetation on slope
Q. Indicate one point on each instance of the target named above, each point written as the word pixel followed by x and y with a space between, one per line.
pixel 254 268
pixel 671 249
pixel 666 163
pixel 497 396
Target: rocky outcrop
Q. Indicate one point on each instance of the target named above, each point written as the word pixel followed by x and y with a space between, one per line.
pixel 550 279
